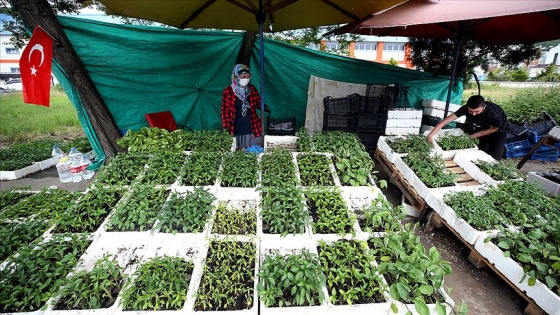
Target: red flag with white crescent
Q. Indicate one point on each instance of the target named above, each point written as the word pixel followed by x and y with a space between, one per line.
pixel 35 66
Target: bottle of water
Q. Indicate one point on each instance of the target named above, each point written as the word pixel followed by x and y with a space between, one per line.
pixel 86 174
pixel 63 168
pixel 56 152
pixel 76 159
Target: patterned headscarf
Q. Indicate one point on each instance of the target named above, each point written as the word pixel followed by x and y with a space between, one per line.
pixel 242 92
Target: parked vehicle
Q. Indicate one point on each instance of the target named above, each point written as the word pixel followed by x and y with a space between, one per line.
pixel 13 84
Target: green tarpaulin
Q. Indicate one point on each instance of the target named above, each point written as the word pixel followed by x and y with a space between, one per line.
pixel 141 69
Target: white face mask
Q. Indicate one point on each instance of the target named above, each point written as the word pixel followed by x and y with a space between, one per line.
pixel 244 82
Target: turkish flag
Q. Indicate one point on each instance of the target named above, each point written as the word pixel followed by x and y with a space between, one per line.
pixel 35 66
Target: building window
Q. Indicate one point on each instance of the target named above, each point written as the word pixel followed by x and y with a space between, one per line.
pixel 314 46
pixel 14 70
pixel 366 46
pixel 394 47
pixel 12 50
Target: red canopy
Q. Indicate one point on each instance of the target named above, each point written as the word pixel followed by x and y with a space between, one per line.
pixel 487 22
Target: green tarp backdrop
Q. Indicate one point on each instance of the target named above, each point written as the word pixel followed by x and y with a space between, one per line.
pixel 144 69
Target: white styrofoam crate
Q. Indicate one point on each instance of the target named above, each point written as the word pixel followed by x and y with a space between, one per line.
pixel 329 156
pixel 286 247
pixel 404 123
pixel 22 172
pixel 241 199
pixel 405 113
pixel 540 293
pixel 360 309
pixel 439 113
pixel 384 147
pixel 287 142
pixel 409 209
pixel 197 278
pixel 453 131
pixel 555 132
pixel 401 131
pixel 546 184
pixel 470 234
pixel 449 305
pixel 465 161
pixel 439 105
pixel 434 199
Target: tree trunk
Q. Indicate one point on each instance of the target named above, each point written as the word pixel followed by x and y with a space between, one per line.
pixel 39 13
pixel 244 55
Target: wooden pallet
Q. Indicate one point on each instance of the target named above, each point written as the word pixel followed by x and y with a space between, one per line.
pixel 434 220
pixel 464 178
pixel 396 177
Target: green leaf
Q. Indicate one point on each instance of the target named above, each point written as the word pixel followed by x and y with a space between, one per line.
pixel 503 244
pixel 403 291
pixel 421 307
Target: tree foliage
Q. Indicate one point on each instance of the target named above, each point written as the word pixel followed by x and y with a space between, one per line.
pixel 436 56
pixel 550 74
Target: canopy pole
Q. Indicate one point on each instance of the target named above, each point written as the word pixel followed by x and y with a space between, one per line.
pixel 457 46
pixel 261 17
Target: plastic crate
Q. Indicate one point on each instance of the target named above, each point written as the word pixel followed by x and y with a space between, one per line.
pixel 516 133
pixel 395 94
pixel 516 154
pixel 339 122
pixel 374 104
pixel 550 156
pixel 376 90
pixel 368 139
pixel 399 94
pixel 540 127
pixel 371 123
pixel 281 126
pixel 432 121
pixel 518 146
pixel 341 105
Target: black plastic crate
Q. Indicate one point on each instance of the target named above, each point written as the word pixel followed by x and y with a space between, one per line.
pixel 281 126
pixel 371 123
pixel 395 94
pixel 516 132
pixel 376 90
pixel 369 139
pixel 433 121
pixel 339 122
pixel 374 104
pixel 341 105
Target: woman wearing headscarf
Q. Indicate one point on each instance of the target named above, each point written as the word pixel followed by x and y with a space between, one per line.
pixel 240 101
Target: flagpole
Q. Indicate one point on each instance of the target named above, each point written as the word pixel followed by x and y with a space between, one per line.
pixel 261 17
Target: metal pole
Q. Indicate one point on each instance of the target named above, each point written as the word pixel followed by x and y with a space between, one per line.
pixel 457 46
pixel 261 18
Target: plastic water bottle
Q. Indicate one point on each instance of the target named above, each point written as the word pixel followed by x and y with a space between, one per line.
pixel 63 168
pixel 86 174
pixel 56 152
pixel 76 159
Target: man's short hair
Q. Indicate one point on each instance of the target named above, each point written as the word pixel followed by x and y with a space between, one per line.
pixel 475 101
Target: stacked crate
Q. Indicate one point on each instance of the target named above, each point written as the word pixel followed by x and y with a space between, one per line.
pixel 372 119
pixel 538 129
pixel 340 113
pixel 517 143
pixel 364 115
pixel 434 111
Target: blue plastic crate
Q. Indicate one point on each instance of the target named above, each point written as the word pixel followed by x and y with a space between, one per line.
pixel 550 156
pixel 518 145
pixel 516 154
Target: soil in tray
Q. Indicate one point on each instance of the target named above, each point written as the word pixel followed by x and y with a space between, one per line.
pixel 555 177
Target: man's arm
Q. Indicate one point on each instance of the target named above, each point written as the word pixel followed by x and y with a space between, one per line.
pixel 484 132
pixel 440 125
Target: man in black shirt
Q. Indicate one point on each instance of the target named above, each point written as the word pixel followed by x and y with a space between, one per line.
pixel 485 121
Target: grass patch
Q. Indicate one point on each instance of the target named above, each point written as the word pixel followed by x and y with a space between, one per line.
pixel 491 92
pixel 22 122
